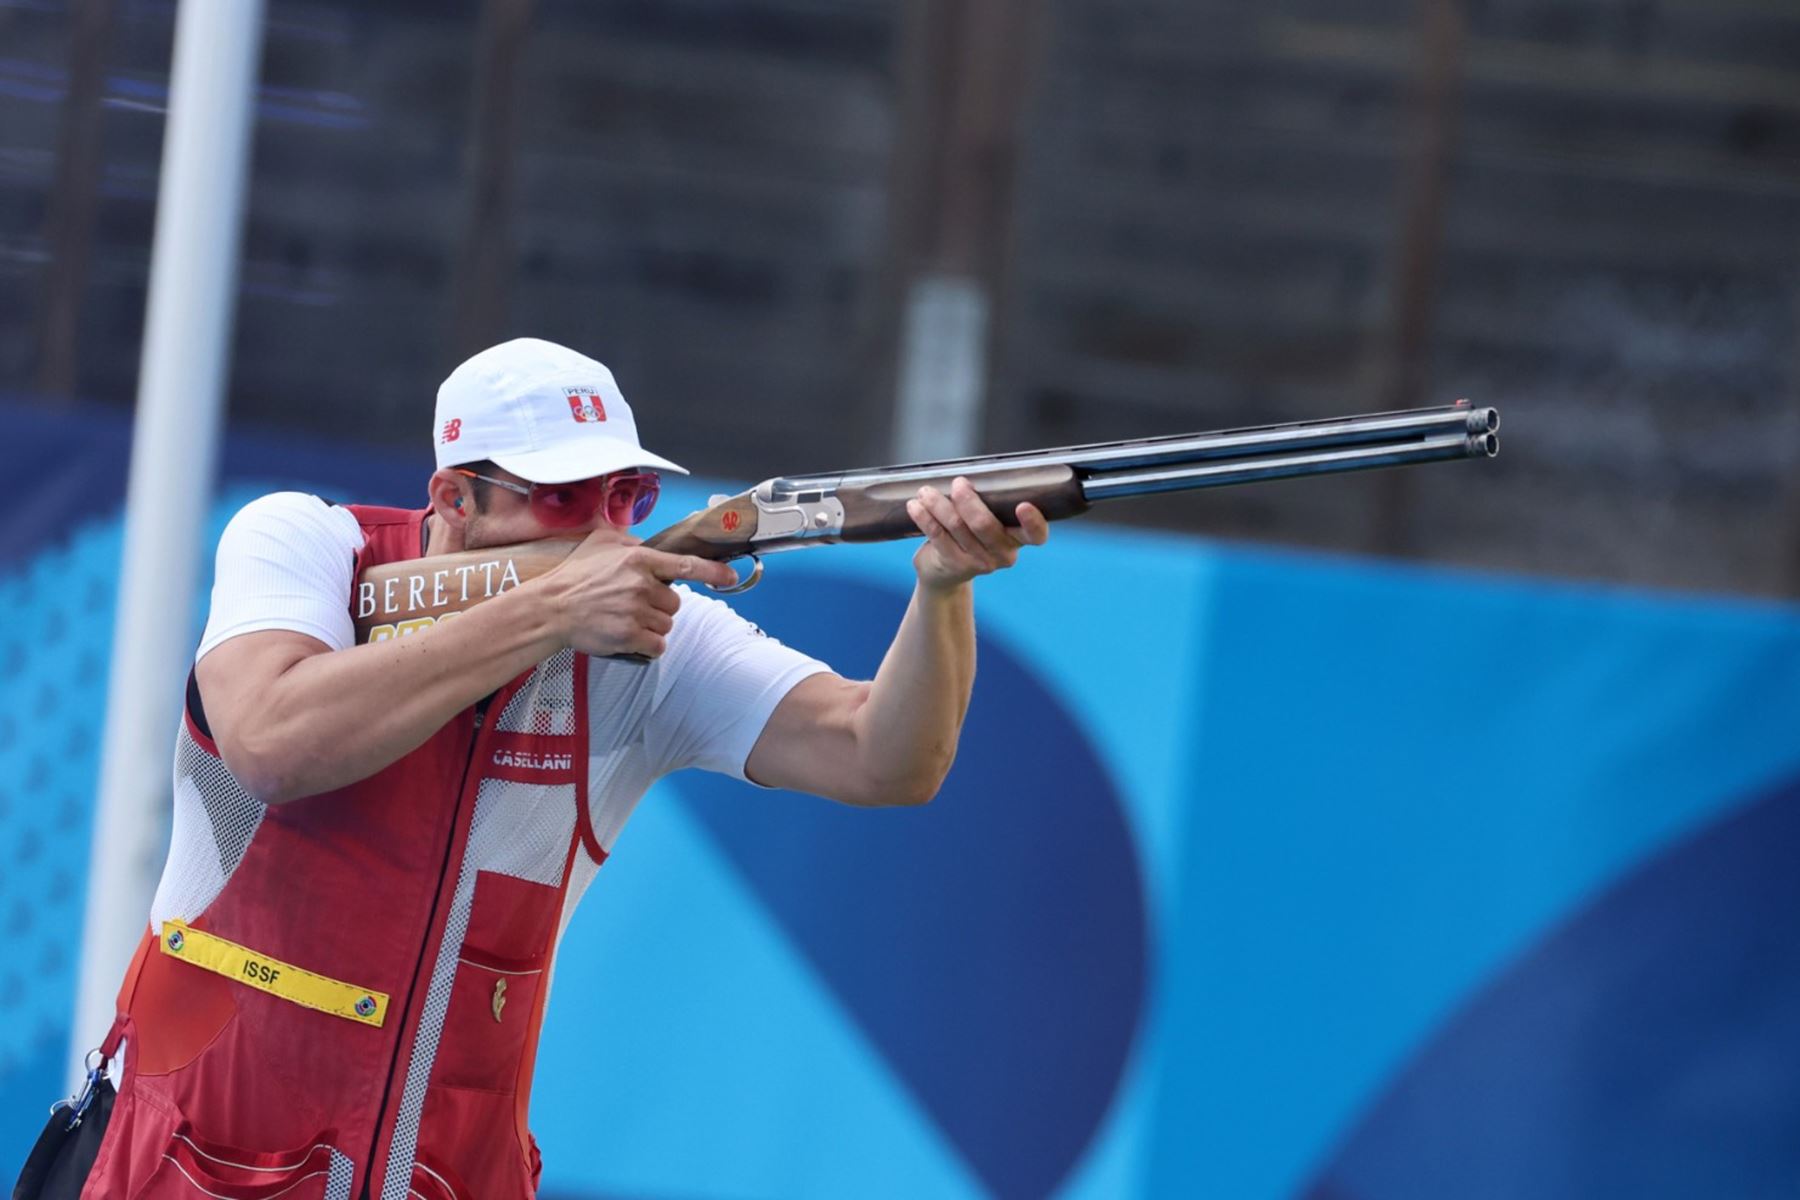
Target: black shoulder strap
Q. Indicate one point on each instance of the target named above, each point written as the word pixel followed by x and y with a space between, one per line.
pixel 196 709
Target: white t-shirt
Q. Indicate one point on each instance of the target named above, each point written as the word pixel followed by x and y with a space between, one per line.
pixel 285 561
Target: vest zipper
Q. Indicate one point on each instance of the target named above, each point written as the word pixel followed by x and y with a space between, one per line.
pixel 387 1090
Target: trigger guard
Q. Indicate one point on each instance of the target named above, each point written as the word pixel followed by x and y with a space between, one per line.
pixel 744 583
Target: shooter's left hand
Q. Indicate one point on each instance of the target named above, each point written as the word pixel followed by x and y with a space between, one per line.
pixel 964 539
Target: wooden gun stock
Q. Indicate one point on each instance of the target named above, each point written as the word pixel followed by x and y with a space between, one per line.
pixel 404 597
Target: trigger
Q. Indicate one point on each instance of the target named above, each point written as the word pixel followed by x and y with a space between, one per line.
pixel 745 582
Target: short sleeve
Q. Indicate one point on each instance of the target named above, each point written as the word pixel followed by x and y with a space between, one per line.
pixel 285 561
pixel 725 678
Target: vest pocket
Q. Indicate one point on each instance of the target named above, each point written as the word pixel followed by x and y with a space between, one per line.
pixel 487 1039
pixel 467 1135
pixel 192 1166
pixel 487 1031
pixel 473 1124
pixel 432 1180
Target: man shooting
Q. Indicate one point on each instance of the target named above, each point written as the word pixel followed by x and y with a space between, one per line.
pixel 376 847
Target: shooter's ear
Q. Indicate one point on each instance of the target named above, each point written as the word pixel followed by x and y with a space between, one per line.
pixel 450 498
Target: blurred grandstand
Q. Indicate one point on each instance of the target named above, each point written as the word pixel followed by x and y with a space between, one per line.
pixel 1182 213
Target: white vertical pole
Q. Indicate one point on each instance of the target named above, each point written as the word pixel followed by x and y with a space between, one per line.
pixel 174 451
pixel 943 370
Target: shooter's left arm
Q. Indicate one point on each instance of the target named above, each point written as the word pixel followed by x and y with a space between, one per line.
pixel 891 740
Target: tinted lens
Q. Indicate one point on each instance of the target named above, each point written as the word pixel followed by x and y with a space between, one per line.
pixel 629 498
pixel 565 505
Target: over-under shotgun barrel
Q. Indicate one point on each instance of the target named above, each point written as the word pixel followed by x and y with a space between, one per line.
pixel 869 505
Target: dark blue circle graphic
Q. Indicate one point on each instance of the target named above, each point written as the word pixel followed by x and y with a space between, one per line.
pixel 1649 1047
pixel 993 943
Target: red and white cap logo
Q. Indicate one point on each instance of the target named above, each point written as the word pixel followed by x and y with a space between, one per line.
pixel 586 404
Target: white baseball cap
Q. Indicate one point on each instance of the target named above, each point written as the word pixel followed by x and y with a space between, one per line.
pixel 541 411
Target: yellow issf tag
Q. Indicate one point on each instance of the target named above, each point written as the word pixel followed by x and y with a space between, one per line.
pixel 266 974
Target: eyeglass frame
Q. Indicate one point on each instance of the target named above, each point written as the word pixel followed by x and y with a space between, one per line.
pixel 525 489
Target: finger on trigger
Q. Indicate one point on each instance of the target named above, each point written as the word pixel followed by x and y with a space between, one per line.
pixel 671 567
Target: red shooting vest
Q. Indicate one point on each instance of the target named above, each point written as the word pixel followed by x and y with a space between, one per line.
pixel 423 904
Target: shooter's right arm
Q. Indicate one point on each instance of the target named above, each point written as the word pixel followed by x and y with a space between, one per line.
pixel 293 717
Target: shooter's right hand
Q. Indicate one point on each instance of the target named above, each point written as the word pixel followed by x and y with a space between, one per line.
pixel 611 596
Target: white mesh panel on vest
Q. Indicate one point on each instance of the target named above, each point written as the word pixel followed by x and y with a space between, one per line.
pixel 214 821
pixel 546 705
pixel 523 830
pixel 519 829
pixel 341 1177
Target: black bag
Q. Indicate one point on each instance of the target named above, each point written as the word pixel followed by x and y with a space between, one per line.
pixel 59 1163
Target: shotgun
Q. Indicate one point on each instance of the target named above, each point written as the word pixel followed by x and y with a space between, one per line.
pixel 794 512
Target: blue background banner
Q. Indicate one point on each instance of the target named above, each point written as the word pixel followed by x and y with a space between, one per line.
pixel 1259 875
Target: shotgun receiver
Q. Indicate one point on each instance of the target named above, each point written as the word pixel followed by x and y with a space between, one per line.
pixel 869 505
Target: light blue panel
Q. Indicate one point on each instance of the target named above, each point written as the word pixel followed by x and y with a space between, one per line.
pixel 690 1051
pixel 54 649
pixel 1400 781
